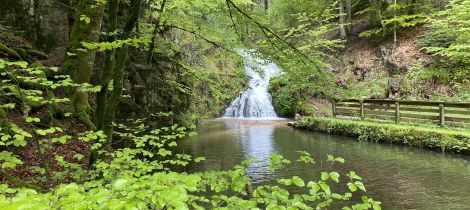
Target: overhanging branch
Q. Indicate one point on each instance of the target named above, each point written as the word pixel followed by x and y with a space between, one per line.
pixel 194 32
pixel 265 29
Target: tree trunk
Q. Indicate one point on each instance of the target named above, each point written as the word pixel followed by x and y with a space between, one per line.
pixel 37 22
pixel 107 71
pixel 349 16
pixel 79 63
pixel 412 7
pixel 394 29
pixel 378 7
pixel 152 41
pixel 342 21
pixel 118 76
pixel 266 6
pixel 155 32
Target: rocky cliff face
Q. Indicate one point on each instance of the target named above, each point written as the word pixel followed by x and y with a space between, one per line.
pixel 44 23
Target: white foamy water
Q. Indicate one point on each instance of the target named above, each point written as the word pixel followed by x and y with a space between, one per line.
pixel 255 102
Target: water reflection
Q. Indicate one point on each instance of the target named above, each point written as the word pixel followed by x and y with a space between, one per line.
pixel 256 138
pixel 400 177
pixel 227 143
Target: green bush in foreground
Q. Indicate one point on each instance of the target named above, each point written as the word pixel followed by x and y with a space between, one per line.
pixel 139 174
pixel 434 138
pixel 132 180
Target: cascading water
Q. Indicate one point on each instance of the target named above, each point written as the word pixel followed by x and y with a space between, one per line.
pixel 256 101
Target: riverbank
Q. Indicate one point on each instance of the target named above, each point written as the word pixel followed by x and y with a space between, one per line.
pixel 433 138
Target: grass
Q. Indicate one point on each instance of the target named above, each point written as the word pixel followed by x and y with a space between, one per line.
pixel 409 125
pixel 432 137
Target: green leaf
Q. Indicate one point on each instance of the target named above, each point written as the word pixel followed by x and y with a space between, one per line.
pixel 32 119
pixel 298 181
pixel 376 206
pixel 339 159
pixel 286 182
pixel 353 175
pixel 5 137
pixel 360 185
pixel 325 187
pixel 334 176
pixel 333 159
pixel 199 159
pixel 22 64
pixel 352 187
pixel 19 137
pixel 120 183
pixel 41 132
pixel 8 165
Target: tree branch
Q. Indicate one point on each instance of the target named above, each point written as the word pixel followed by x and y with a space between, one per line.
pixel 194 32
pixel 264 28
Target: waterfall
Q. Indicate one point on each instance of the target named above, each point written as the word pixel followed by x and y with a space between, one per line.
pixel 256 101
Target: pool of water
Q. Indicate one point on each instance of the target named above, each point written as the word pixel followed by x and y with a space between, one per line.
pixel 400 177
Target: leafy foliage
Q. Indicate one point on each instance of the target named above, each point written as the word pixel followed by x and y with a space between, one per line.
pixel 24 90
pixel 134 179
pixel 450 33
pixel 302 51
pixel 390 16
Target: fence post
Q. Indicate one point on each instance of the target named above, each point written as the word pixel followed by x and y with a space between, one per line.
pixel 333 106
pixel 441 114
pixel 397 112
pixel 362 110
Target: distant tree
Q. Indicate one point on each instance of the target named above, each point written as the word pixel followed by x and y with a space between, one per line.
pixel 449 34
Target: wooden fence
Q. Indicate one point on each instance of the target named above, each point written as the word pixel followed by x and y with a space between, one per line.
pixel 440 112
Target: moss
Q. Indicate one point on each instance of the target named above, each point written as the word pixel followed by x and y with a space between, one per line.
pixel 79 63
pixel 214 89
pixel 36 53
pixel 284 99
pixel 9 51
pixel 118 72
pixel 107 71
pixel 427 137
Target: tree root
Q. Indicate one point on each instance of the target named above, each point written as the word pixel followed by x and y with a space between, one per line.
pixel 23 53
pixel 10 52
pixel 85 119
pixel 82 109
pixel 37 54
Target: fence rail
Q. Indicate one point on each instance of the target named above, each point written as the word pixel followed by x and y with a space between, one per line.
pixel 440 112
